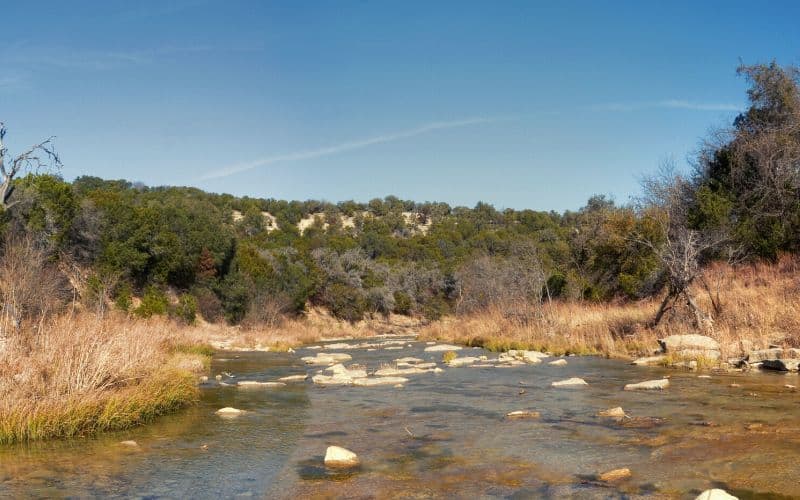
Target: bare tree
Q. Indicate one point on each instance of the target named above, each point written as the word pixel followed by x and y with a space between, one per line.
pixel 666 205
pixel 37 156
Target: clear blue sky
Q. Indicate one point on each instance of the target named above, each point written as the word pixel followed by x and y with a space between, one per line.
pixel 520 104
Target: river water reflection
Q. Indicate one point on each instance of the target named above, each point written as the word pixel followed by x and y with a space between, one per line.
pixel 441 435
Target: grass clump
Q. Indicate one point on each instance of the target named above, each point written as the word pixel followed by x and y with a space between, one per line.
pixel 449 356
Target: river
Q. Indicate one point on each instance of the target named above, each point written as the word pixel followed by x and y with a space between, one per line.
pixel 441 435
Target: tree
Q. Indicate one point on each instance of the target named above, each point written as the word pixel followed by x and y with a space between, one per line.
pixel 37 156
pixel 666 205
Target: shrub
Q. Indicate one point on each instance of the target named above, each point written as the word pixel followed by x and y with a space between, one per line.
pixel 124 297
pixel 208 304
pixel 154 302
pixel 402 303
pixel 185 310
pixel 345 303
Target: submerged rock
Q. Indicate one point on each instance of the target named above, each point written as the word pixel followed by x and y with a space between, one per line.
pixel 616 412
pixel 615 475
pixel 336 456
pixel 716 494
pixel 648 385
pixel 520 414
pixel 229 412
pixel 409 360
pixel 256 384
pixel 443 348
pixel 575 381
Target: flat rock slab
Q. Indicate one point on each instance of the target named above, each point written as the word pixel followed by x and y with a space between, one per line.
pixel 575 381
pixel 336 456
pixel 690 341
pixel 649 360
pixel 254 384
pixel 467 360
pixel 558 362
pixel 648 385
pixel 294 378
pixel 329 358
pixel 443 348
pixel 375 381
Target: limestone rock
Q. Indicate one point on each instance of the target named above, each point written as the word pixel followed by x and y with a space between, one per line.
pixel 324 358
pixel 649 360
pixel 615 475
pixel 373 381
pixel 716 494
pixel 254 384
pixel 229 412
pixel 575 381
pixel 442 348
pixel 675 343
pixel 648 385
pixel 336 456
pixel 616 412
pixel 520 414
pixel 468 360
pixel 558 362
pixel 293 378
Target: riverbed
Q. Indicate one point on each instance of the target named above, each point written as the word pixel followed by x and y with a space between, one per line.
pixel 439 435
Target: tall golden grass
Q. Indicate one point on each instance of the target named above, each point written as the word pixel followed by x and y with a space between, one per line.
pixel 78 374
pixel 758 304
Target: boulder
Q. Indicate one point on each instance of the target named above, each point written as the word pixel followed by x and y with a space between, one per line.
pixel 442 348
pixel 648 385
pixel 716 494
pixel 764 355
pixel 520 414
pixel 336 456
pixel 616 412
pixel 675 343
pixel 784 365
pixel 615 475
pixel 575 381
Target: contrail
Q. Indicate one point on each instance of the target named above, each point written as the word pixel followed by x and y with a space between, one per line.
pixel 341 148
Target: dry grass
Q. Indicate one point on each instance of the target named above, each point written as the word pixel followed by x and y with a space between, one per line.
pixel 80 374
pixel 759 305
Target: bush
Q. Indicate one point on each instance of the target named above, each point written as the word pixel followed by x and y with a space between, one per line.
pixel 124 297
pixel 208 304
pixel 345 303
pixel 402 303
pixel 185 310
pixel 154 302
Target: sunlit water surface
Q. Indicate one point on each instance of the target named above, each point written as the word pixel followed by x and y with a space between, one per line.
pixel 441 435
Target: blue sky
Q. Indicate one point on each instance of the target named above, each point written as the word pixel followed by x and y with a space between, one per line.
pixel 520 104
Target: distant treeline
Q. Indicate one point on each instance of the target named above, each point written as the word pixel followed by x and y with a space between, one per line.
pixel 158 250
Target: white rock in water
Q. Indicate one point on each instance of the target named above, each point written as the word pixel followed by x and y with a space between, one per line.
pixel 229 412
pixel 558 362
pixel 336 456
pixel 256 384
pixel 716 494
pixel 131 443
pixel 522 414
pixel 324 358
pixel 649 360
pixel 293 378
pixel 648 385
pixel 468 360
pixel 442 348
pixel 373 381
pixel 569 381
pixel 616 412
pixel 409 359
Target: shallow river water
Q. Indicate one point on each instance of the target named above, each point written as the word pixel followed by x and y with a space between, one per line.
pixel 441 435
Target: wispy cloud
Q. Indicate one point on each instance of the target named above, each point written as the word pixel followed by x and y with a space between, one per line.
pixel 667 104
pixel 343 147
